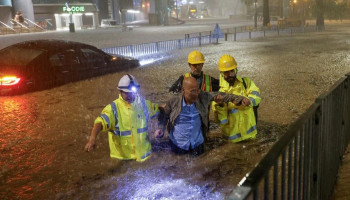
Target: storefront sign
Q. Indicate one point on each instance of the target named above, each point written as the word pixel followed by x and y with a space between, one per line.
pixel 73 9
pixel 5 3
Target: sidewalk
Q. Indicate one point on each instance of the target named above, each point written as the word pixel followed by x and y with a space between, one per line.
pixel 341 189
pixel 140 33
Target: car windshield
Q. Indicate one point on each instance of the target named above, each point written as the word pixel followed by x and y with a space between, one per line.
pixel 18 56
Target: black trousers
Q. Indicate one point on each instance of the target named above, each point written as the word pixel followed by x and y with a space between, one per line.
pixel 193 152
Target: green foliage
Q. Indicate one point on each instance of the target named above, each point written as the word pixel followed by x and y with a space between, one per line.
pixel 332 10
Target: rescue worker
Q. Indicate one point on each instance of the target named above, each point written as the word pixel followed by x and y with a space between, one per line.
pixel 237 121
pixel 187 116
pixel 205 82
pixel 126 119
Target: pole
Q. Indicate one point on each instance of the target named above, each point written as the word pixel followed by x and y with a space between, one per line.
pixel 177 14
pixel 255 16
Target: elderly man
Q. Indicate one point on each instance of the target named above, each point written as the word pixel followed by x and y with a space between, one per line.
pixel 188 116
pixel 126 121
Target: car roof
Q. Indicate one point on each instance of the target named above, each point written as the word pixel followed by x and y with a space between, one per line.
pixel 46 44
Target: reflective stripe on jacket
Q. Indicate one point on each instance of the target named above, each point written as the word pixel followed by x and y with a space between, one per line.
pixel 238 122
pixel 127 128
pixel 206 82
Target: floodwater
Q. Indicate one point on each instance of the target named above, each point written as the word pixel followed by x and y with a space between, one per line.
pixel 43 133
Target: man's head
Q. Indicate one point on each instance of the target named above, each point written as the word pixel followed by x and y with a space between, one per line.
pixel 128 87
pixel 196 62
pixel 228 68
pixel 190 90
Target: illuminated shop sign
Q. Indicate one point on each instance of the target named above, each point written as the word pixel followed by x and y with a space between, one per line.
pixel 73 9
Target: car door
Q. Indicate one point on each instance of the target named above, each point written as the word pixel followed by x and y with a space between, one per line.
pixel 65 65
pixel 80 70
pixel 95 60
pixel 40 73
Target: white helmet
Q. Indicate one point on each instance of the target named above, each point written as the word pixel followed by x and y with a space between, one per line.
pixel 128 83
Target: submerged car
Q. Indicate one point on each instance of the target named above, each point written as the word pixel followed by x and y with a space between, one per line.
pixel 41 64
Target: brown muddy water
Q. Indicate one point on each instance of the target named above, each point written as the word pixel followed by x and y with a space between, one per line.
pixel 43 133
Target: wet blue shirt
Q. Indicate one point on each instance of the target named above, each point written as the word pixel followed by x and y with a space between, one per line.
pixel 187 128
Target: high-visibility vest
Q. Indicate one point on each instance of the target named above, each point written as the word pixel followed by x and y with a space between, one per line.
pixel 127 128
pixel 238 122
pixel 206 82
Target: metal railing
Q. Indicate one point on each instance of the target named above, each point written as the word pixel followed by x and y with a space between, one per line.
pixel 138 50
pixel 34 24
pixel 304 162
pixel 20 25
pixel 7 27
pixel 235 36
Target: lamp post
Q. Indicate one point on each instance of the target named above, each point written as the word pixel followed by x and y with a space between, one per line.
pixel 294 10
pixel 71 24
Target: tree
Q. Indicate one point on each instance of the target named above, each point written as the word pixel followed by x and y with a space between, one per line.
pixel 266 13
pixel 319 14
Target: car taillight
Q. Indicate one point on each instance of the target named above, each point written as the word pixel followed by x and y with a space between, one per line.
pixel 9 80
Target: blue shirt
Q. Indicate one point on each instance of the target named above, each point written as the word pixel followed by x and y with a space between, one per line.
pixel 187 128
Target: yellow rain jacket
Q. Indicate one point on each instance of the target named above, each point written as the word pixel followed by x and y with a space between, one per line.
pixel 127 128
pixel 238 122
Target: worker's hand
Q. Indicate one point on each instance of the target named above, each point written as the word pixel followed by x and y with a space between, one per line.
pixel 90 145
pixel 158 133
pixel 162 106
pixel 219 99
pixel 245 102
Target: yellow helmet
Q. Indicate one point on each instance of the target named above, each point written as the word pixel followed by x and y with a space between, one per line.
pixel 227 63
pixel 195 57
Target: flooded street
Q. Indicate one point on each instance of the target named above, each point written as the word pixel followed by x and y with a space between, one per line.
pixel 43 134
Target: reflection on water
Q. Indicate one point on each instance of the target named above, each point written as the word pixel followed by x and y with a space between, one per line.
pixel 20 159
pixel 148 185
pixel 141 184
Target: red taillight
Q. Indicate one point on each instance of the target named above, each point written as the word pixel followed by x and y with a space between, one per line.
pixel 9 80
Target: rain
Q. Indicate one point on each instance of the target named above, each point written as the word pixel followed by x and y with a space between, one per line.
pixel 43 133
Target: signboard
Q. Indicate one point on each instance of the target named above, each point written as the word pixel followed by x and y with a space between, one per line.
pixel 73 9
pixel 5 3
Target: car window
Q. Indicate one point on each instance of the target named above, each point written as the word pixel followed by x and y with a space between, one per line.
pixel 93 56
pixel 64 58
pixel 18 56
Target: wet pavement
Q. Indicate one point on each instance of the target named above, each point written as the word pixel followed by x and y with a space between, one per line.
pixel 43 133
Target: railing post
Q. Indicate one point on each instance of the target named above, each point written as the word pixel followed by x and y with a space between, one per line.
pixel 210 37
pixel 225 36
pixel 235 36
pixel 131 50
pixel 200 39
pixel 179 44
pixel 347 106
pixel 250 35
pixel 315 155
pixel 157 48
pixel 264 33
